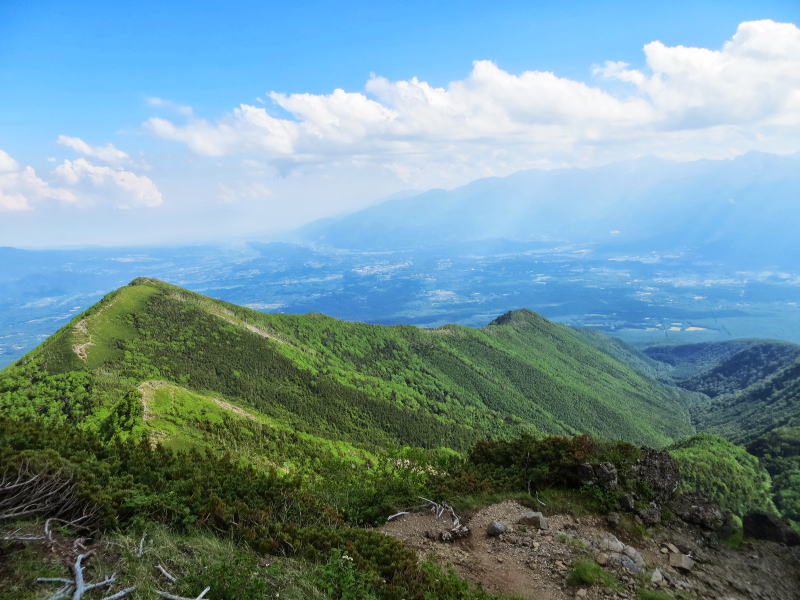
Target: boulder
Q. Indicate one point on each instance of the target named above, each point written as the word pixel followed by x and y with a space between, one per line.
pixel 681 561
pixel 699 509
pixel 496 528
pixel 607 477
pixel 586 474
pixel 658 471
pixel 626 562
pixel 762 525
pixel 535 519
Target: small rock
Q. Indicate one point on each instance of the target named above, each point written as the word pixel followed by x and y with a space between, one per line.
pixel 673 548
pixel 613 519
pixel 628 502
pixel 664 550
pixel 581 593
pixel 535 546
pixel 681 561
pixel 496 528
pixel 656 577
pixel 535 519
pixel 651 514
pixel 612 544
pixel 629 564
pixel 634 555
pixel 602 559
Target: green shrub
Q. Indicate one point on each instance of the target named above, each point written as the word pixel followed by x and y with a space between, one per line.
pixel 237 577
pixel 725 471
pixel 588 572
pixel 654 595
pixel 340 579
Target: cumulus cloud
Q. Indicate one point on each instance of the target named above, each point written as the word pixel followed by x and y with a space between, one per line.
pixel 754 79
pixel 21 188
pixel 685 103
pixel 108 153
pixel 136 190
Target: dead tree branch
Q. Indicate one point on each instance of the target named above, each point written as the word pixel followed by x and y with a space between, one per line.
pixel 394 516
pixel 75 588
pixel 166 574
pixel 458 530
pixel 169 596
pixel 25 494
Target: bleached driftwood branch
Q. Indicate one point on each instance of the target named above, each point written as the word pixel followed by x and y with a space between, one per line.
pixel 76 587
pixel 458 530
pixel 166 574
pixel 172 579
pixel 169 596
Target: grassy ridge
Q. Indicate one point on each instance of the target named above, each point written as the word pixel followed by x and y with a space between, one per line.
pixel 369 385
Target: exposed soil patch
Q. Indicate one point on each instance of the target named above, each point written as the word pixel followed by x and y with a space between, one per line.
pixel 533 563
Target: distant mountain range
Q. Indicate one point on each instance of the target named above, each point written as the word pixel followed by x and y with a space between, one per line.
pixel 743 209
pixel 651 251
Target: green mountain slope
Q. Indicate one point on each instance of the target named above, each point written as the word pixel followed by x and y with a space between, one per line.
pixel 724 367
pixel 771 402
pixel 779 451
pixel 359 384
pixel 753 398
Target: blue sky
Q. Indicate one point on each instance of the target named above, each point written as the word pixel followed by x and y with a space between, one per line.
pixel 126 73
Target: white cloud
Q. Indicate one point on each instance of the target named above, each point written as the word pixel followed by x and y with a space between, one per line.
pixel 169 105
pixel 7 164
pixel 108 153
pixel 134 190
pixel 21 188
pixel 753 79
pixel 686 103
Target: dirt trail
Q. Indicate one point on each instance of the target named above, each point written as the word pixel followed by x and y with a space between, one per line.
pixel 147 389
pixel 234 409
pixel 533 563
pixel 231 318
pixel 82 329
pixel 82 348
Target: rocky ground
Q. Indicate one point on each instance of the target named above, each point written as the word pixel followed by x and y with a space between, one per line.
pixel 528 561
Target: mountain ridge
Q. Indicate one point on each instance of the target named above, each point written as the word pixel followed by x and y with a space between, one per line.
pixel 521 372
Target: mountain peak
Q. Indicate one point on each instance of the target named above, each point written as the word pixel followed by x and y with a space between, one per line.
pixel 519 316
